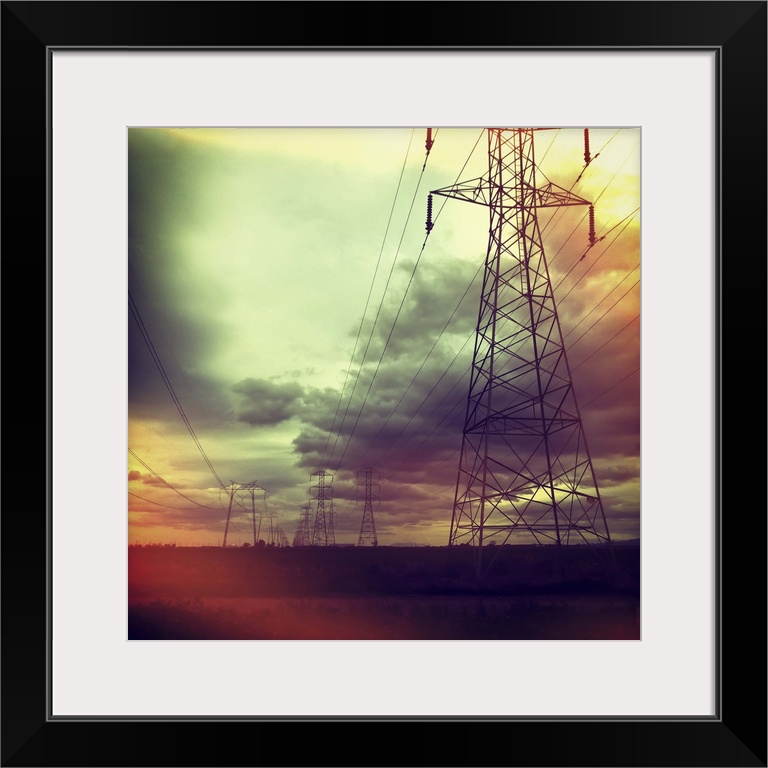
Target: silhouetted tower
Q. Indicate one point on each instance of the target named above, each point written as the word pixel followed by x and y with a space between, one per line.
pixel 263 515
pixel 323 534
pixel 272 536
pixel 303 537
pixel 330 524
pixel 525 472
pixel 248 490
pixel 367 526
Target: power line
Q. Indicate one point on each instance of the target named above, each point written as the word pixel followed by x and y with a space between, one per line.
pixel 370 291
pixel 605 343
pixel 561 211
pixel 430 437
pixel 391 331
pixel 169 506
pixel 574 343
pixel 613 386
pixel 594 325
pixel 594 202
pixel 628 219
pixel 594 308
pixel 381 358
pixel 441 426
pixel 426 398
pixel 461 400
pixel 375 320
pixel 156 358
pixel 424 362
pixel 422 365
pixel 164 481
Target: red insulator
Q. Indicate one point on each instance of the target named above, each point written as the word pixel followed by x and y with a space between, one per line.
pixel 587 158
pixel 430 140
pixel 592 239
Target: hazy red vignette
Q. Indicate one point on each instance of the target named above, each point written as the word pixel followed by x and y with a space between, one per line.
pixel 187 593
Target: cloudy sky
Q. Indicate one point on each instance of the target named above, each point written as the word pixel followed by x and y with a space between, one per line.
pixel 289 314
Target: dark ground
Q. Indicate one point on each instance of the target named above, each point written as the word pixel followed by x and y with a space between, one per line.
pixel 382 593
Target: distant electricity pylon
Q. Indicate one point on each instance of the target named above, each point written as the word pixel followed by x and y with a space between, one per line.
pixel 249 490
pixel 525 472
pixel 367 526
pixel 303 537
pixel 323 534
pixel 271 527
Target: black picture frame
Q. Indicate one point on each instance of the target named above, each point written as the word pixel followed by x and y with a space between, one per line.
pixel 736 736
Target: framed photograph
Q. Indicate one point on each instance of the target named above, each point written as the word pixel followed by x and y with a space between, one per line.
pixel 226 223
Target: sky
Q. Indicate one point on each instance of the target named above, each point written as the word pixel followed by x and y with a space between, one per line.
pixel 289 313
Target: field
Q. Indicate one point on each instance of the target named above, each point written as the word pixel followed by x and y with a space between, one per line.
pixel 381 593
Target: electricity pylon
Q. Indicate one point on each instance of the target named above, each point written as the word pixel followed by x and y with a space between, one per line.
pixel 272 529
pixel 330 522
pixel 525 472
pixel 367 526
pixel 323 534
pixel 303 537
pixel 250 489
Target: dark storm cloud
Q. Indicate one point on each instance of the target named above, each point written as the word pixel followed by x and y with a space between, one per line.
pixel 608 390
pixel 615 430
pixel 262 403
pixel 407 392
pixel 410 426
pixel 319 406
pixel 618 470
pixel 310 446
pixel 411 404
pixel 442 298
pixel 407 423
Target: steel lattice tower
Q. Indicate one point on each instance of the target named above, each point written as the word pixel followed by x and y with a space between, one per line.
pixel 367 525
pixel 525 472
pixel 270 517
pixel 323 534
pixel 250 489
pixel 329 524
pixel 303 537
